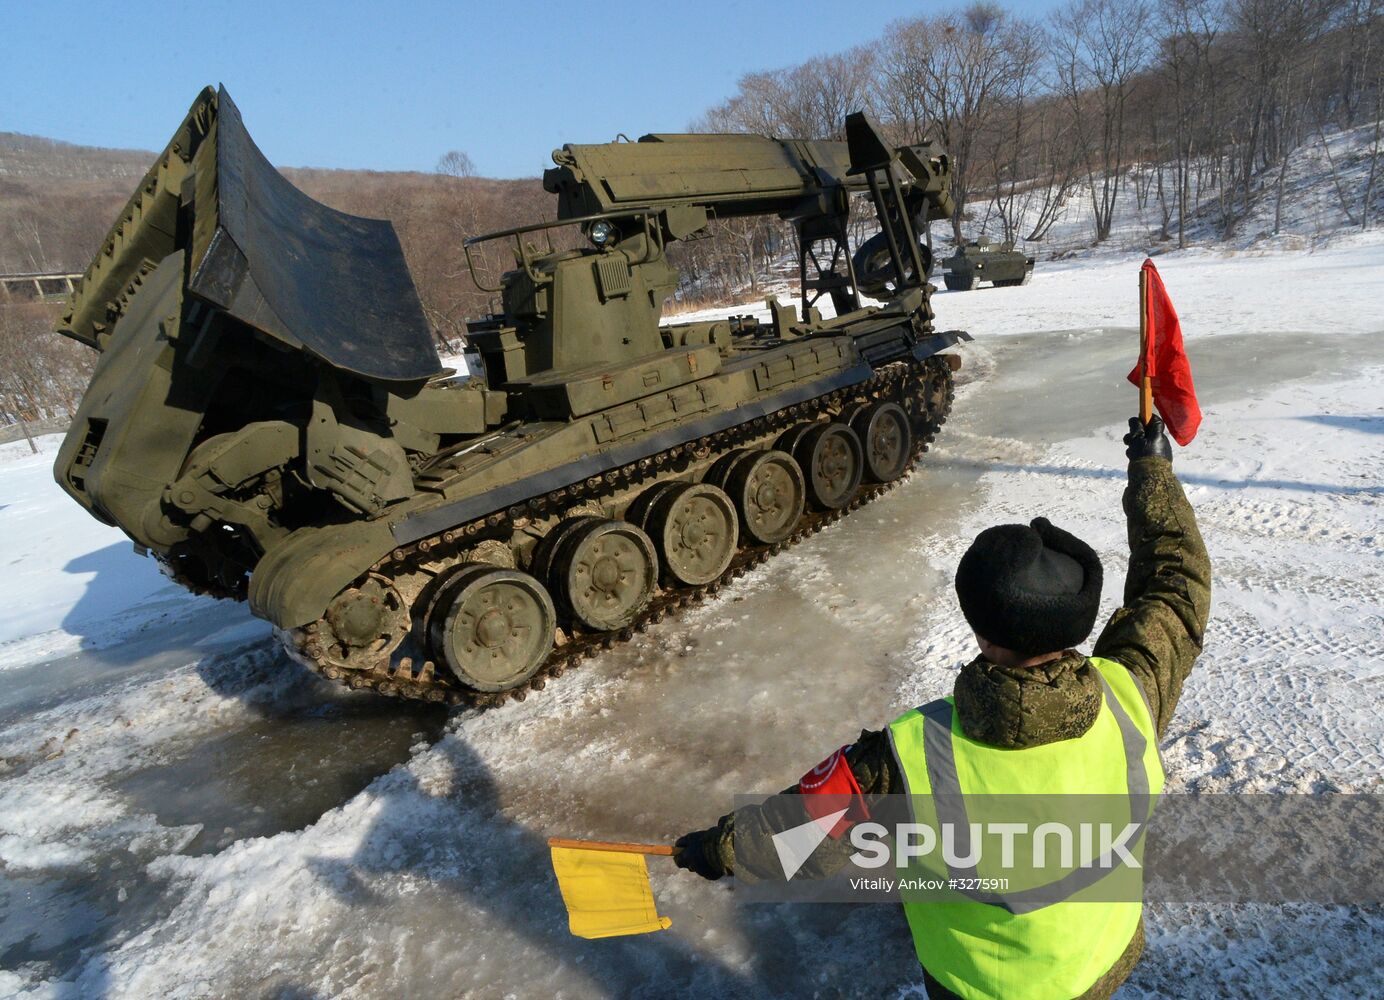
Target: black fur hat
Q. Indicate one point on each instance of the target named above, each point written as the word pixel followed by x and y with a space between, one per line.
pixel 1033 589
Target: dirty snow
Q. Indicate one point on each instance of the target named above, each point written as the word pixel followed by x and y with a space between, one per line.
pixel 184 813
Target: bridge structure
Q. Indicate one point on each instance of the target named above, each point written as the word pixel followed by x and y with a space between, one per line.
pixel 38 286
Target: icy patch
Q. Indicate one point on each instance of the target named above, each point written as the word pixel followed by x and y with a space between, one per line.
pixel 1258 950
pixel 57 808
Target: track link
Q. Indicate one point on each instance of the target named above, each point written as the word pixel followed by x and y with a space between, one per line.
pixel 430 682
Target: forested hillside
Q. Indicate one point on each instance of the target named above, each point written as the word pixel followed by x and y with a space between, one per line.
pixel 1156 122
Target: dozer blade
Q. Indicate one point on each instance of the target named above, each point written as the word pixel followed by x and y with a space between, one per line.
pixel 318 280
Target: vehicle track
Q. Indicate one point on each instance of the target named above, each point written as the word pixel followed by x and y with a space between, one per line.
pixel 925 387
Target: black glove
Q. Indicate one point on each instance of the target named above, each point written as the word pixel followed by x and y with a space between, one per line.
pixel 698 854
pixel 1144 441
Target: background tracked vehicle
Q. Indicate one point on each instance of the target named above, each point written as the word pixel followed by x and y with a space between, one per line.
pixel 270 419
pixel 1001 265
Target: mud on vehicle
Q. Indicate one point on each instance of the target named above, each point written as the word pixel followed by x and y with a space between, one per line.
pixel 270 419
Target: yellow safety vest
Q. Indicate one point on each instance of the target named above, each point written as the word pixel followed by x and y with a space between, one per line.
pixel 1034 943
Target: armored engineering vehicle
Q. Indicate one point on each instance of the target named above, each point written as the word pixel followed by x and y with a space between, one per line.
pixel 270 419
pixel 983 261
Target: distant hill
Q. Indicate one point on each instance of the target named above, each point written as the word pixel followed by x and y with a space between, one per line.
pixel 35 157
pixel 59 199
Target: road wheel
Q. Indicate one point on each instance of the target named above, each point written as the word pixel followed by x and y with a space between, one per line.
pixel 604 574
pixel 363 626
pixel 788 440
pixel 769 493
pixel 887 440
pixel 832 462
pixel 493 627
pixel 545 552
pixel 719 473
pixel 637 513
pixel 693 526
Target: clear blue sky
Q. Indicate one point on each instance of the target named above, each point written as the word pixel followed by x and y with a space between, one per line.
pixel 393 86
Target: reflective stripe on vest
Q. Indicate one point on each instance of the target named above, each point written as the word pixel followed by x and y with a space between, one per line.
pixel 1031 942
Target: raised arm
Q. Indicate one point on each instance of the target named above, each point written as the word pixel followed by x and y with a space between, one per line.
pixel 1158 632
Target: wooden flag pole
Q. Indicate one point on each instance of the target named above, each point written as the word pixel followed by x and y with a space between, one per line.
pixel 607 845
pixel 1145 382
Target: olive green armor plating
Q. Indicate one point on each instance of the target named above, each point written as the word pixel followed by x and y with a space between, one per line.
pixel 983 261
pixel 270 419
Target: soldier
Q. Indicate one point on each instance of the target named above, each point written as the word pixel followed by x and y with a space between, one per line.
pixel 1030 594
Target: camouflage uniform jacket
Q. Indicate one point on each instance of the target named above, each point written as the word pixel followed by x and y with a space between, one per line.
pixel 1156 634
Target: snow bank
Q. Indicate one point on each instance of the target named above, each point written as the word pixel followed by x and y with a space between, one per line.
pixel 69 580
pixel 1215 291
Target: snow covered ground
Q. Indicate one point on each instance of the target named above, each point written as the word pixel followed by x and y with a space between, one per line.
pixel 1322 194
pixel 185 813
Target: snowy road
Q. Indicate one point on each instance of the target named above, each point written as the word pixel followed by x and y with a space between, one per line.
pixel 184 813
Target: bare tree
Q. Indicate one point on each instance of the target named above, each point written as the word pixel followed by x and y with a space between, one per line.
pixel 41 374
pixel 1099 47
pixel 951 77
pixel 455 164
pixel 1360 84
pixel 1189 30
pixel 809 101
pixel 1367 200
pixel 1273 37
pixel 1032 171
pixel 1356 52
pixel 1059 160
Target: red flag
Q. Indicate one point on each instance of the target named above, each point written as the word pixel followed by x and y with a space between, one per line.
pixel 1165 362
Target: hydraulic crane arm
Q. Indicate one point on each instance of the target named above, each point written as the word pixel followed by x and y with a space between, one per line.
pixel 728 175
pixel 731 176
pixel 692 179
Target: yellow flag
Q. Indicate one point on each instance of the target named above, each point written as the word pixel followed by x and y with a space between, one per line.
pixel 607 893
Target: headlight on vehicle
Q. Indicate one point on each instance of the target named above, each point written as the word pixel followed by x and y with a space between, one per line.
pixel 601 233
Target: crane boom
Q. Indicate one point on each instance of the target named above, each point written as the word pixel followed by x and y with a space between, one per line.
pixel 731 176
pixel 690 180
